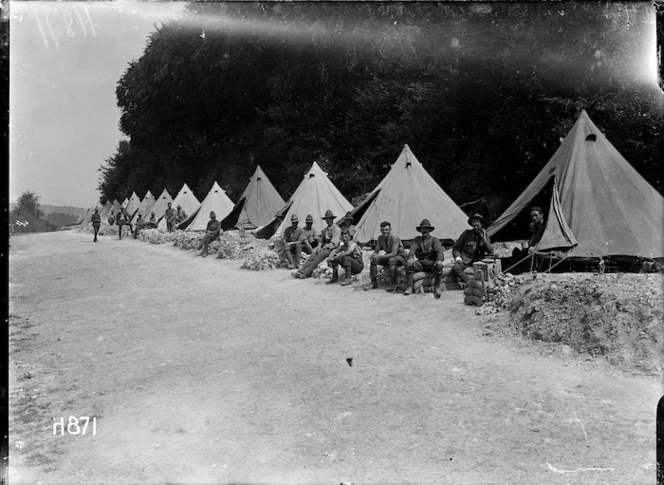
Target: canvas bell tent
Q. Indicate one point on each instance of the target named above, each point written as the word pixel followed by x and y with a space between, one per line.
pixel 257 204
pixel 404 197
pixel 215 201
pixel 105 211
pixel 133 204
pixel 315 195
pixel 187 200
pixel 160 206
pixel 595 203
pixel 146 205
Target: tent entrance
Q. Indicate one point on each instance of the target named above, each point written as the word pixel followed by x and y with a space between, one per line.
pixel 518 228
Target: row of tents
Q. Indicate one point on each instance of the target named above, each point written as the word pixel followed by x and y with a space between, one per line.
pixel 596 204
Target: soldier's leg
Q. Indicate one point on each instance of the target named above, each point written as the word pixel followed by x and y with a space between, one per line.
pixel 411 267
pixel 298 253
pixel 392 264
pixel 289 256
pixel 335 271
pixel 458 271
pixel 313 261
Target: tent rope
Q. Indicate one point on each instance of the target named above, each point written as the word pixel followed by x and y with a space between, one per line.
pixel 529 255
pixel 551 267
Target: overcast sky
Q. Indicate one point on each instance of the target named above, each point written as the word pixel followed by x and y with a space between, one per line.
pixel 63 73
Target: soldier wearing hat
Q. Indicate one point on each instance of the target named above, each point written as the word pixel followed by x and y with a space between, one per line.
pixel 170 217
pixel 426 254
pixel 291 243
pixel 472 246
pixel 329 240
pixel 311 236
pixel 348 255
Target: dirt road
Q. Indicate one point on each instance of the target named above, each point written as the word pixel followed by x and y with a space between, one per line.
pixel 199 372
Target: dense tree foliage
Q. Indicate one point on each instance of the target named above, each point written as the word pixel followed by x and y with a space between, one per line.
pixel 27 217
pixel 481 92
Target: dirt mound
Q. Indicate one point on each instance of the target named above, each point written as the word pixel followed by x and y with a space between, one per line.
pixel 618 316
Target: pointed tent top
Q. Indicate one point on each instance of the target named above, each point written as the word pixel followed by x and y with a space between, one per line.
pixel 404 197
pixel 145 205
pixel 608 207
pixel 133 204
pixel 257 204
pixel 160 206
pixel 216 200
pixel 315 195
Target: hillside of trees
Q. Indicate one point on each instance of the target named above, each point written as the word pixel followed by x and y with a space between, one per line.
pixel 481 92
pixel 27 215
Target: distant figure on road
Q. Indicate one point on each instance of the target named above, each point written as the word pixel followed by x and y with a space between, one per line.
pixel 291 243
pixel 96 222
pixel 330 237
pixel 389 251
pixel 122 220
pixel 472 246
pixel 426 254
pixel 211 233
pixel 349 255
pixel 170 216
pixel 311 236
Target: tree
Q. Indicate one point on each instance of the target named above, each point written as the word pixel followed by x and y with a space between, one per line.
pixel 28 204
pixel 26 216
pixel 481 93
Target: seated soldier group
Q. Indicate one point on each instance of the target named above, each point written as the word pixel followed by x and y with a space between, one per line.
pixel 336 245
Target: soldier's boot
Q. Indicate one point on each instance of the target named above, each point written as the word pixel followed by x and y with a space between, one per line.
pixel 373 285
pixel 347 279
pixel 436 286
pixel 409 284
pixel 335 276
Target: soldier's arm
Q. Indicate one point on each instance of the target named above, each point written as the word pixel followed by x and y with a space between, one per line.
pixel 413 250
pixel 456 249
pixel 487 243
pixel 438 247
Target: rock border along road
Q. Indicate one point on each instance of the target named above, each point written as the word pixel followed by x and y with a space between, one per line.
pixel 199 372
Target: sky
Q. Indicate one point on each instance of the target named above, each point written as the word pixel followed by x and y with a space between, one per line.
pixel 65 61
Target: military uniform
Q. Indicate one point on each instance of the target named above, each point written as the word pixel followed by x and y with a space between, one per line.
pixel 170 219
pixel 470 247
pixel 96 223
pixel 211 233
pixel 293 240
pixel 122 220
pixel 330 237
pixel 426 254
pixel 349 256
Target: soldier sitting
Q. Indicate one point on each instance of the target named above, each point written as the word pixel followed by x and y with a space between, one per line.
pixel 426 254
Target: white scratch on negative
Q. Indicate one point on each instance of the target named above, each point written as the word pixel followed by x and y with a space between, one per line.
pixel 554 469
pixel 582 426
